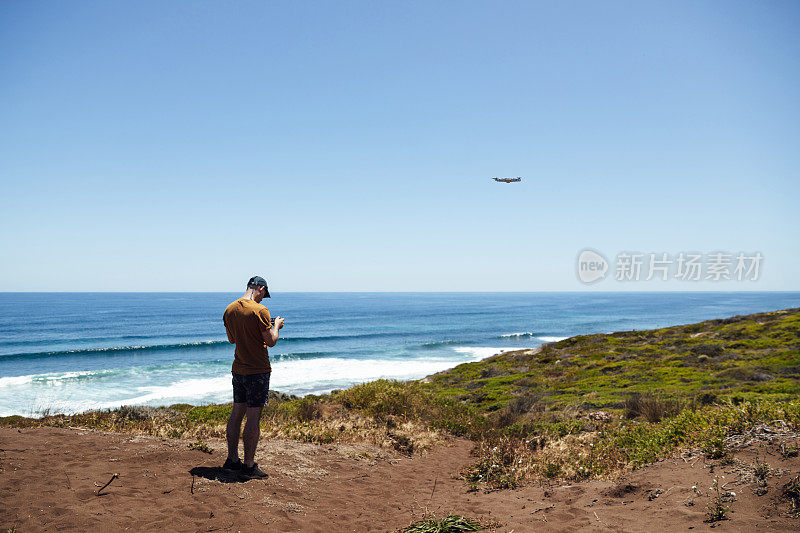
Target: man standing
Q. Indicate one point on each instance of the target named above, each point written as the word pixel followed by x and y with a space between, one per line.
pixel 250 328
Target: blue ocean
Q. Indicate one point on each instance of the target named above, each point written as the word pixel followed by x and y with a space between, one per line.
pixel 70 352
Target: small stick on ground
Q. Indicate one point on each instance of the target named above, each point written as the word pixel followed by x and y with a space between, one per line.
pixel 666 491
pixel 434 487
pixel 598 518
pixel 191 489
pixel 115 476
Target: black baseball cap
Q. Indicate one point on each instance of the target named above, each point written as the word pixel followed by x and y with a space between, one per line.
pixel 258 281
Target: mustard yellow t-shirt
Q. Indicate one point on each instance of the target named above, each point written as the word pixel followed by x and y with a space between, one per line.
pixel 245 321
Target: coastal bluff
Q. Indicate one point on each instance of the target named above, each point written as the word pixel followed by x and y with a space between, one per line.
pixel 693 426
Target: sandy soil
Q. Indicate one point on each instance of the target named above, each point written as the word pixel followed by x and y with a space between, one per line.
pixel 48 477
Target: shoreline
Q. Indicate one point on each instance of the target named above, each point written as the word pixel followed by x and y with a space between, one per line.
pixel 43 412
pixel 125 380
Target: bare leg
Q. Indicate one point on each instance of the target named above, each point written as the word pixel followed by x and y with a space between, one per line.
pixel 234 429
pixel 251 434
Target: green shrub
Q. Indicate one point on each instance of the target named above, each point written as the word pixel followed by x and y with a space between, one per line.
pixel 716 510
pixel 762 470
pixel 304 410
pixel 714 447
pixel 201 446
pixel 551 470
pixel 209 414
pixel 448 524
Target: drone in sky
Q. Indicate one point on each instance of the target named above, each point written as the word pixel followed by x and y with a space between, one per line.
pixel 508 180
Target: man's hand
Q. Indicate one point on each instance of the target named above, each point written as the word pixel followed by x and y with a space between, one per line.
pixel 271 334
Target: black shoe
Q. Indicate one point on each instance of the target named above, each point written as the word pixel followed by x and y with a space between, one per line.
pixel 252 472
pixel 233 466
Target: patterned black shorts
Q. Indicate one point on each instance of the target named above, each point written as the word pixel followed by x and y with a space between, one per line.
pixel 252 389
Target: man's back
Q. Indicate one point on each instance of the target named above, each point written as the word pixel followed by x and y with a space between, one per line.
pixel 245 321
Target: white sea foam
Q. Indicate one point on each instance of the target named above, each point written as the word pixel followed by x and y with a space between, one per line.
pixel 184 389
pixel 552 339
pixel 476 353
pixel 70 392
pixel 47 378
pixel 15 380
pixel 71 375
pixel 518 334
pixel 300 373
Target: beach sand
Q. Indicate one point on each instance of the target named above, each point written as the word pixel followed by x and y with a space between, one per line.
pixel 48 480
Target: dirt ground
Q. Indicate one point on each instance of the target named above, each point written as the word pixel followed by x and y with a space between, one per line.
pixel 49 481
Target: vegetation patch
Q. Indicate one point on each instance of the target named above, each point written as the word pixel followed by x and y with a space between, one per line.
pixel 717 510
pixel 448 524
pixel 651 408
pixel 403 416
pixel 791 491
pixel 201 446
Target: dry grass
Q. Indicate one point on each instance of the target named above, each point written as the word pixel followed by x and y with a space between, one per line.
pixel 791 491
pixel 651 408
pixel 516 409
pixel 386 414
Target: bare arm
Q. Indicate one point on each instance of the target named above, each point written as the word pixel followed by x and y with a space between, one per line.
pixel 228 331
pixel 271 334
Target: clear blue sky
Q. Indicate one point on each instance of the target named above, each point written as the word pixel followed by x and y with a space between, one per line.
pixel 348 145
